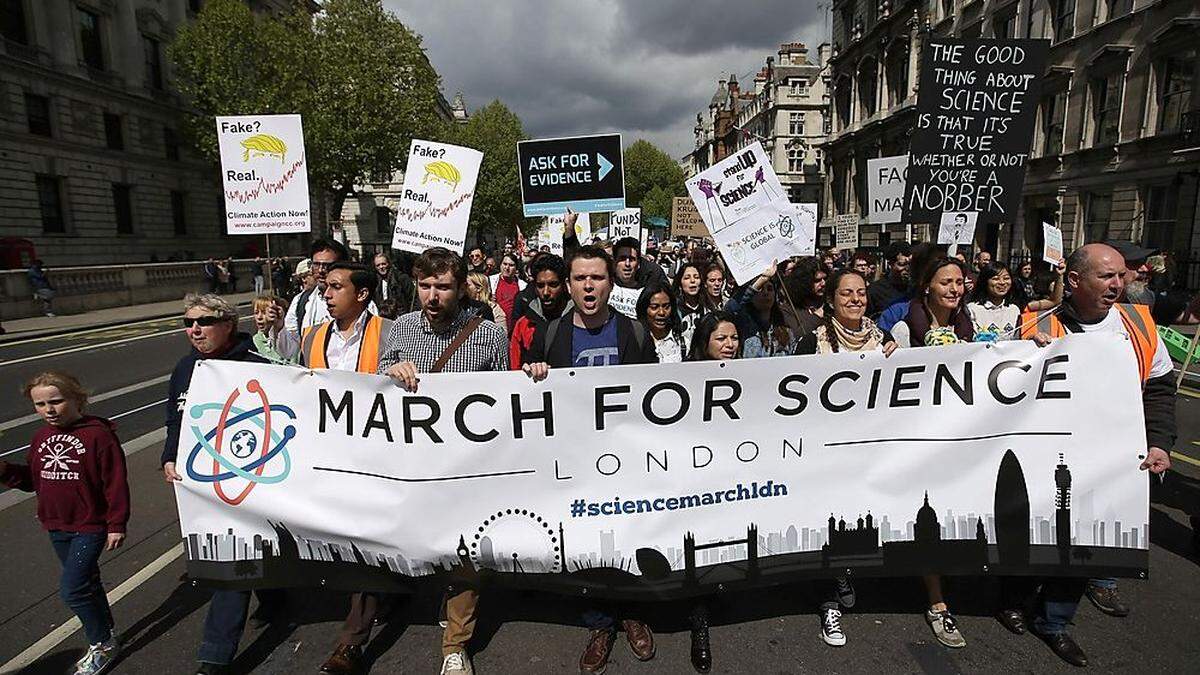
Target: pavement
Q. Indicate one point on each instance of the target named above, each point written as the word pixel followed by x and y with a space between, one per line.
pixel 45 326
pixel 160 614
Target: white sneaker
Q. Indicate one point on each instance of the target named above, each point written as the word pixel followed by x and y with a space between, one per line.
pixel 845 592
pixel 99 658
pixel 945 628
pixel 831 627
pixel 456 663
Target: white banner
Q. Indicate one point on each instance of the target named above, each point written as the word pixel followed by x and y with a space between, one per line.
pixel 435 202
pixel 965 459
pixel 551 232
pixel 264 174
pixel 885 188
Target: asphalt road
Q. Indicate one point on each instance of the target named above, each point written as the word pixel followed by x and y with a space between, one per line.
pixel 160 615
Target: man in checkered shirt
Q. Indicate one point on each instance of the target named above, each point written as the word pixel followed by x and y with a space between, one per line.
pixel 417 341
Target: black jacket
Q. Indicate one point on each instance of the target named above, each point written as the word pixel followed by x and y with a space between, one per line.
pixel 181 380
pixel 558 355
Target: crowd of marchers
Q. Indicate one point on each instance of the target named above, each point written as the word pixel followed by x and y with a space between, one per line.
pixel 535 311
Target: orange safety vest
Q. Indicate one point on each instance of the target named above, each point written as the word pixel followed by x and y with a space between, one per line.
pixel 1139 324
pixel 368 351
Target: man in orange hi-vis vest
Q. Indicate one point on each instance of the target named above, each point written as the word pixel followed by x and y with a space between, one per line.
pixel 1096 276
pixel 353 336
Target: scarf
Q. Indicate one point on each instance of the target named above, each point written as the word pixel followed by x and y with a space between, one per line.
pixel 923 334
pixel 867 338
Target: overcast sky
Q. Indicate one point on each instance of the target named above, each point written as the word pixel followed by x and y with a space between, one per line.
pixel 643 68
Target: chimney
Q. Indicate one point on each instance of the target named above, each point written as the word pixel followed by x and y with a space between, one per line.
pixel 823 53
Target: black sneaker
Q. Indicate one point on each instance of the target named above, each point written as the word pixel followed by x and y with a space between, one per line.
pixel 1107 600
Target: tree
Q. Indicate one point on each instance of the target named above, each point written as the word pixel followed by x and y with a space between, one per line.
pixel 357 75
pixel 494 130
pixel 657 202
pixel 647 167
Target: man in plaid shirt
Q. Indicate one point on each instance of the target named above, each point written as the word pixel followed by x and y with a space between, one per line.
pixel 444 336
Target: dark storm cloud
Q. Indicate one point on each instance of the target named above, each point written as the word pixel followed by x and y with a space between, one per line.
pixel 571 67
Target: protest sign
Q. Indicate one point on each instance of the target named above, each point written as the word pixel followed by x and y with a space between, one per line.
pixel 625 223
pixel 885 188
pixel 667 480
pixel 957 228
pixel 263 174
pixel 976 110
pixel 735 187
pixel 776 232
pixel 845 231
pixel 435 202
pixel 685 219
pixel 624 300
pixel 1052 246
pixel 584 173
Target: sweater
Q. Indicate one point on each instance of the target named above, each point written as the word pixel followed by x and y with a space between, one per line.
pixel 78 473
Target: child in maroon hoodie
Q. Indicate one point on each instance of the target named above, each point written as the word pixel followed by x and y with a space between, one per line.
pixel 77 468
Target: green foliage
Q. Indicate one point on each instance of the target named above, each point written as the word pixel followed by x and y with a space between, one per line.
pixel 647 168
pixel 357 75
pixel 494 130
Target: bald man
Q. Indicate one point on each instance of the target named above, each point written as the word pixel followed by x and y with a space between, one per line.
pixel 1096 276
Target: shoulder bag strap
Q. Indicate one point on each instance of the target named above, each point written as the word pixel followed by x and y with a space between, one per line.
pixel 458 341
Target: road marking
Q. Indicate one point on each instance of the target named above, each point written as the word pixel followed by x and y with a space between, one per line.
pixel 86 331
pixel 55 637
pixel 11 498
pixel 1184 458
pixel 1188 392
pixel 113 417
pixel 84 348
pixel 12 424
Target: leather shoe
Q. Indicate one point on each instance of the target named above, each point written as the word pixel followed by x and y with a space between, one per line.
pixel 595 656
pixel 641 640
pixel 1064 646
pixel 1107 600
pixel 1013 620
pixel 701 649
pixel 345 660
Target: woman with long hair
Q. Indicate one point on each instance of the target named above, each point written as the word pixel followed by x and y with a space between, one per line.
pixel 690 298
pixel 936 315
pixel 993 306
pixel 805 286
pixel 656 310
pixel 714 286
pixel 760 319
pixel 480 290
pixel 846 327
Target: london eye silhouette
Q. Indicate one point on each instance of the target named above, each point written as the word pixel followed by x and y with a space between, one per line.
pixel 516 540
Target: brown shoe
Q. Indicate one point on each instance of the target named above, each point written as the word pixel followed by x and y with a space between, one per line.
pixel 345 660
pixel 595 655
pixel 641 640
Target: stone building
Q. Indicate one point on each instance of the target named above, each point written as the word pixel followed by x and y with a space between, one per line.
pixel 785 109
pixel 93 169
pixel 1116 151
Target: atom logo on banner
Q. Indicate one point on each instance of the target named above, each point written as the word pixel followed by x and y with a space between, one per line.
pixel 243 432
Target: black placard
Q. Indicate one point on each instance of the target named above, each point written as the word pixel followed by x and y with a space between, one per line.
pixel 584 173
pixel 976 110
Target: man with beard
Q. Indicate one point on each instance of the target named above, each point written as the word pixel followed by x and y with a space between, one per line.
pixel 1096 277
pixel 549 275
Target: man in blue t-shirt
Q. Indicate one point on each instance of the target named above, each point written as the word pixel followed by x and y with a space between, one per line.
pixel 594 334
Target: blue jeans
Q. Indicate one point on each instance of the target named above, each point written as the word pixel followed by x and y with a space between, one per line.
pixel 1060 598
pixel 79 585
pixel 1103 583
pixel 225 621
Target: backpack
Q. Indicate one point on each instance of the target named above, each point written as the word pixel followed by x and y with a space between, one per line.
pixel 639 333
pixel 302 306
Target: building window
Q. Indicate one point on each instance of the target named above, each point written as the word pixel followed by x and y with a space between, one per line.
pixel 1175 92
pixel 1117 8
pixel 867 76
pixel 123 207
pixel 1064 20
pixel 153 58
pixel 947 8
pixel 1035 19
pixel 113 136
pixel 37 112
pixel 1005 27
pixel 1159 202
pixel 12 21
pixel 171 143
pixel 841 99
pixel 383 220
pixel 91 45
pixel 1054 118
pixel 178 212
pixel 795 160
pixel 799 87
pixel 1106 109
pixel 1096 216
pixel 897 73
pixel 796 124
pixel 848 24
pixel 50 202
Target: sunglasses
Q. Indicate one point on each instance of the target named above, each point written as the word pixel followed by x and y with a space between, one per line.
pixel 204 321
